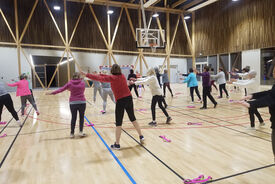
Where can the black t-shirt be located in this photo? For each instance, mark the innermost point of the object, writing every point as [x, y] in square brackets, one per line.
[132, 76]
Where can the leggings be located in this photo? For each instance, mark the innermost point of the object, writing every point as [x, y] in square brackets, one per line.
[192, 92]
[206, 93]
[24, 101]
[74, 108]
[222, 87]
[157, 99]
[167, 84]
[105, 93]
[273, 141]
[99, 89]
[6, 101]
[213, 84]
[125, 103]
[251, 112]
[135, 88]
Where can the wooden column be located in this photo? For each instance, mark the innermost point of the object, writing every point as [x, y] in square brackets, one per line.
[17, 36]
[193, 41]
[67, 42]
[168, 42]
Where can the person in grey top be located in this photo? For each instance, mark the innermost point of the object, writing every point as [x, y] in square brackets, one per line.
[97, 87]
[220, 77]
[166, 83]
[106, 90]
[5, 100]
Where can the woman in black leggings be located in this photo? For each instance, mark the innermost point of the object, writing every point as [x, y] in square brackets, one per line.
[5, 100]
[77, 101]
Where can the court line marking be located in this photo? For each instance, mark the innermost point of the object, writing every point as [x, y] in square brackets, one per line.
[241, 173]
[154, 156]
[217, 124]
[8, 123]
[225, 126]
[112, 153]
[4, 158]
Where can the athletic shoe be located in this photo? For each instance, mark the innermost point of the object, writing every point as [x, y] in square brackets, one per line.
[199, 101]
[142, 139]
[153, 123]
[72, 136]
[227, 96]
[191, 102]
[103, 112]
[37, 112]
[203, 108]
[250, 128]
[81, 134]
[115, 146]
[262, 124]
[19, 123]
[168, 120]
[215, 105]
[219, 97]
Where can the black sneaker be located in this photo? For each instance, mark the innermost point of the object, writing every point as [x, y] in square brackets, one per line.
[168, 120]
[115, 146]
[215, 105]
[203, 108]
[153, 123]
[142, 139]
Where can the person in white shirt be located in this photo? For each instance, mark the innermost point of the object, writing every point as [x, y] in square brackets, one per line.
[220, 77]
[250, 85]
[155, 89]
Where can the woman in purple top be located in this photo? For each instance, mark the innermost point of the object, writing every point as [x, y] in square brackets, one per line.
[77, 101]
[206, 88]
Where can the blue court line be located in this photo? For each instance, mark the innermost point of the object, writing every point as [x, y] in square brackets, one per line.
[112, 153]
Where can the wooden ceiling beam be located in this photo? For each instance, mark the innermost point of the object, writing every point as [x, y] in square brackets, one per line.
[177, 3]
[131, 6]
[191, 4]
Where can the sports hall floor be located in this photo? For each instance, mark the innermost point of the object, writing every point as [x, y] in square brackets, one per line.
[41, 152]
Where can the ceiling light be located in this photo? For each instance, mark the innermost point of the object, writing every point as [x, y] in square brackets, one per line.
[155, 15]
[187, 17]
[109, 12]
[235, 0]
[56, 8]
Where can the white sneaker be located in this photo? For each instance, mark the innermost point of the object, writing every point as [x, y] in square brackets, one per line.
[81, 134]
[262, 124]
[72, 136]
[19, 123]
[191, 102]
[250, 128]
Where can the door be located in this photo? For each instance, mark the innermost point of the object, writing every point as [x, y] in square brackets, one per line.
[50, 69]
[199, 68]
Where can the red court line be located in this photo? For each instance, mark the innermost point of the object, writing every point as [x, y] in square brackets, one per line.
[154, 128]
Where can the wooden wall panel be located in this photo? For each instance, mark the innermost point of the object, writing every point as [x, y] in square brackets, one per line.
[228, 26]
[41, 29]
[8, 9]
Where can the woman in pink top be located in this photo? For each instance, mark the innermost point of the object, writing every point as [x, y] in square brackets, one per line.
[77, 101]
[24, 92]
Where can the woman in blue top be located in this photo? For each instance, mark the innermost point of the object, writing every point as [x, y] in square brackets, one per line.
[192, 83]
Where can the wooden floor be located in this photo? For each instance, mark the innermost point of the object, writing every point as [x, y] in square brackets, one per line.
[42, 152]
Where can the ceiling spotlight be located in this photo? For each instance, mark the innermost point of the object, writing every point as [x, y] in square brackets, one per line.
[187, 17]
[155, 15]
[109, 12]
[56, 8]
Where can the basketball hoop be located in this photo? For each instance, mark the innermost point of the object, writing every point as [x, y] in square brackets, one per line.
[153, 46]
